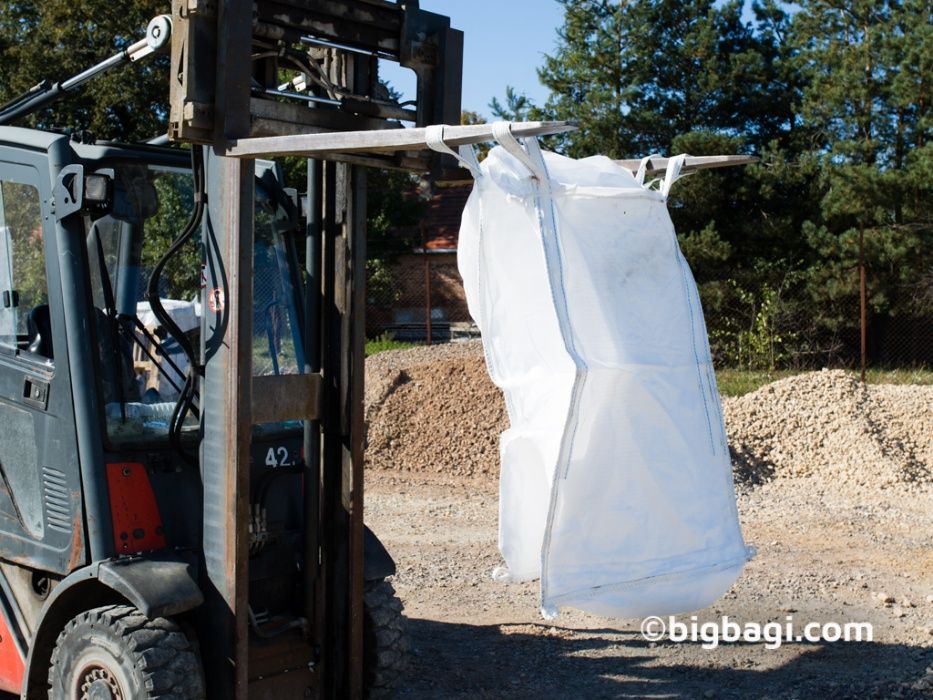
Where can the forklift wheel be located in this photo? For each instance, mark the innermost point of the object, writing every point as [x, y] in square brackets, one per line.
[117, 653]
[385, 646]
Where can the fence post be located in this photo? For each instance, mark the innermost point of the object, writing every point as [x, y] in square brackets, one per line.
[863, 301]
[427, 285]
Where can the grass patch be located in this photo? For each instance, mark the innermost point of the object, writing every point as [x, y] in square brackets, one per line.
[736, 382]
[385, 342]
[898, 376]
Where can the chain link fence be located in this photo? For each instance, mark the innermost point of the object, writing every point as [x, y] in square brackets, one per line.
[891, 342]
[418, 298]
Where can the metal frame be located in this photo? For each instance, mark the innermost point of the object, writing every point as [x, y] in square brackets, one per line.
[225, 447]
[220, 106]
[692, 164]
[339, 33]
[341, 145]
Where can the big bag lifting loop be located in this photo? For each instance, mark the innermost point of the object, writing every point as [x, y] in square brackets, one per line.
[434, 139]
[643, 168]
[674, 166]
[502, 131]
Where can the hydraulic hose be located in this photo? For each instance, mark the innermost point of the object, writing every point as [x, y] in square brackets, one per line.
[186, 396]
[152, 289]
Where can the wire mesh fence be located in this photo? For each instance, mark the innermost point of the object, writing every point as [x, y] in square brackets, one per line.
[418, 298]
[891, 342]
[277, 346]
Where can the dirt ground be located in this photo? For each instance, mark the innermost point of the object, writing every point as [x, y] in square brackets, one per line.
[847, 539]
[473, 637]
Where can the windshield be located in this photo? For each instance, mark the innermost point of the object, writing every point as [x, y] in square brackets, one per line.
[143, 368]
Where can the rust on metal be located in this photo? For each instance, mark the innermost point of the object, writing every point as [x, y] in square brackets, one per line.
[286, 397]
[76, 547]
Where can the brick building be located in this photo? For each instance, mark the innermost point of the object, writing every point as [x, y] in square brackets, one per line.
[424, 287]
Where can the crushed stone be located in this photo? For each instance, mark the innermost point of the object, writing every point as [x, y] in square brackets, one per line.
[434, 410]
[828, 426]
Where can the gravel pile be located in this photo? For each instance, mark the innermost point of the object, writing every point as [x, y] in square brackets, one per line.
[828, 426]
[434, 410]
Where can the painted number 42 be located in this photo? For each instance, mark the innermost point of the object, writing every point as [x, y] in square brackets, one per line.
[277, 457]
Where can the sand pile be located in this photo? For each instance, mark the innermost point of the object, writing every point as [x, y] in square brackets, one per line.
[434, 409]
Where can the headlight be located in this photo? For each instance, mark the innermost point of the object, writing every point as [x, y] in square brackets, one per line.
[97, 190]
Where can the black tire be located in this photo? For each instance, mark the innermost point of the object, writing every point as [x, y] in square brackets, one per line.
[385, 645]
[116, 652]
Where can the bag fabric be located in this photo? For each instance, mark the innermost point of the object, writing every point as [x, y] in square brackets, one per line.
[616, 487]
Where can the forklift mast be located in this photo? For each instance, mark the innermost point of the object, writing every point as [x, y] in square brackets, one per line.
[137, 531]
[271, 69]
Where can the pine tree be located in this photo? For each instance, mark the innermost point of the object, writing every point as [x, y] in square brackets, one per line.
[590, 77]
[637, 74]
[868, 103]
[517, 107]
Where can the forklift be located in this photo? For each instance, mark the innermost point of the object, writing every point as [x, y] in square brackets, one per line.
[181, 360]
[181, 367]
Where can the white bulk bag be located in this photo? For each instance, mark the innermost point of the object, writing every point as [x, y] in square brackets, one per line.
[616, 487]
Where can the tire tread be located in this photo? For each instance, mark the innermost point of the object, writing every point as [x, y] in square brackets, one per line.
[160, 652]
[388, 661]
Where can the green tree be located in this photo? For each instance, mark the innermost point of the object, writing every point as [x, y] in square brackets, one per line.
[654, 76]
[182, 276]
[590, 76]
[56, 39]
[394, 208]
[833, 95]
[635, 75]
[869, 105]
[517, 108]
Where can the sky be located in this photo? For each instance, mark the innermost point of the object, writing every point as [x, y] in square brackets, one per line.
[504, 41]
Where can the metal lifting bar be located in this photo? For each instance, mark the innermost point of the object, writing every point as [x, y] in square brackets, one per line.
[379, 141]
[692, 164]
[388, 141]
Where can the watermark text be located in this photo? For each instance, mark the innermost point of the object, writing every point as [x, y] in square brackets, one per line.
[773, 634]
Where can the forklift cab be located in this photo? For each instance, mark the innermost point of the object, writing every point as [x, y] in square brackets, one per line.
[102, 500]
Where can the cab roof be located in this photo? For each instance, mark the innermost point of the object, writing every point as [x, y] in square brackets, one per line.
[101, 152]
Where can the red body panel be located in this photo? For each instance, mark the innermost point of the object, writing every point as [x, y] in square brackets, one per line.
[137, 525]
[12, 665]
